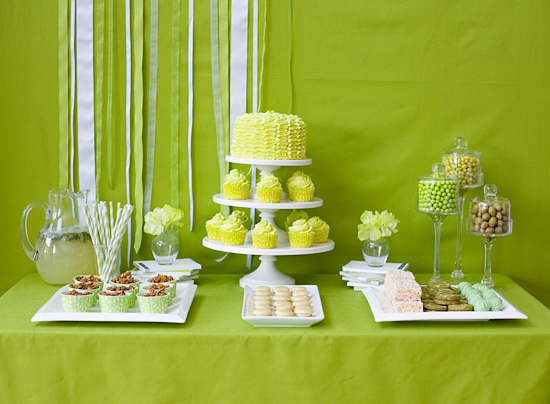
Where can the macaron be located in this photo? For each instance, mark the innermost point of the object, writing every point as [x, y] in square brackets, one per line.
[303, 311]
[262, 312]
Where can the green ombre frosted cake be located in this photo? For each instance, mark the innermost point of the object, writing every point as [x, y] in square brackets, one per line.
[269, 136]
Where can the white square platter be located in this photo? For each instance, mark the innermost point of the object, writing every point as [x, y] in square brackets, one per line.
[382, 310]
[274, 321]
[177, 312]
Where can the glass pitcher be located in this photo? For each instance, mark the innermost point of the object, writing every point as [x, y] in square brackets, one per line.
[63, 248]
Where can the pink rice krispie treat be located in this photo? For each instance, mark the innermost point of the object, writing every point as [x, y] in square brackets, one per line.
[407, 306]
[403, 289]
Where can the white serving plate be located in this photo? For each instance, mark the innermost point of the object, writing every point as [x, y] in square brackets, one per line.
[281, 249]
[177, 312]
[382, 310]
[274, 321]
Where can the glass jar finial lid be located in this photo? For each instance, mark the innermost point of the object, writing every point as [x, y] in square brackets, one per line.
[463, 163]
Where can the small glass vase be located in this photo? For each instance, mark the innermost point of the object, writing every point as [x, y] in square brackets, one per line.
[376, 252]
[166, 246]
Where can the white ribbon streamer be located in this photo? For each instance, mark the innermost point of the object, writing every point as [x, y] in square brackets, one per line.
[73, 79]
[85, 99]
[255, 14]
[152, 114]
[238, 61]
[190, 111]
[128, 120]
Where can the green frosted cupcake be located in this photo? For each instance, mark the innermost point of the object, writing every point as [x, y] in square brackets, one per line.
[236, 185]
[320, 228]
[114, 302]
[264, 235]
[300, 187]
[243, 218]
[77, 301]
[232, 232]
[300, 234]
[295, 215]
[213, 226]
[153, 302]
[269, 189]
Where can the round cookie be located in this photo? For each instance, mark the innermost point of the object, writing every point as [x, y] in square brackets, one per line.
[281, 289]
[282, 304]
[262, 289]
[262, 306]
[433, 306]
[297, 303]
[262, 312]
[303, 311]
[299, 298]
[438, 284]
[300, 293]
[284, 313]
[460, 307]
[262, 293]
[298, 289]
[447, 296]
[281, 297]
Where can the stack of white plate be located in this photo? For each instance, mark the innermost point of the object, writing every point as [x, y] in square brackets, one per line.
[359, 275]
[184, 270]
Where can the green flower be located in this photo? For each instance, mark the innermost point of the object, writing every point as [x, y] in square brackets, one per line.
[174, 216]
[153, 224]
[160, 219]
[388, 223]
[376, 225]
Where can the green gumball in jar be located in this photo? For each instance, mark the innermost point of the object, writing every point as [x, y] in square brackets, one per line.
[438, 192]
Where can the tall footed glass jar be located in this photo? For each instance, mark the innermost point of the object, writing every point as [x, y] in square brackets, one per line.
[490, 218]
[438, 198]
[464, 164]
[166, 246]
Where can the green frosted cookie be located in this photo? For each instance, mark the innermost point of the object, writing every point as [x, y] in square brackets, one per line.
[434, 306]
[460, 307]
[447, 296]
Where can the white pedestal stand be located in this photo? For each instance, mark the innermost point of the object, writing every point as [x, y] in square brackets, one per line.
[267, 272]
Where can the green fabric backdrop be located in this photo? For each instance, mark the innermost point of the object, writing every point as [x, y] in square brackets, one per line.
[384, 88]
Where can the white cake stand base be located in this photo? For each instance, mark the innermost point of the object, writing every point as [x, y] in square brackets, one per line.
[266, 274]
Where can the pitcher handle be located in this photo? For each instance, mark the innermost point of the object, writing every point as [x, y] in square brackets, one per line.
[30, 250]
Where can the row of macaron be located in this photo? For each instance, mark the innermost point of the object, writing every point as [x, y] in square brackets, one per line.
[283, 303]
[303, 232]
[269, 189]
[119, 294]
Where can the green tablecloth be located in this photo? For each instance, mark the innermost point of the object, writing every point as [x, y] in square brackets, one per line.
[216, 357]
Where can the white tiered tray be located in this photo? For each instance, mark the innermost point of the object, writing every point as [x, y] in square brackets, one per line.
[267, 273]
[282, 248]
[253, 203]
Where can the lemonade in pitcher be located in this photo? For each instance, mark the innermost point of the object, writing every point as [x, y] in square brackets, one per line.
[63, 248]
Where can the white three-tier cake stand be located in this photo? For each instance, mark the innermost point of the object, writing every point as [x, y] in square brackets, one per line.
[267, 272]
